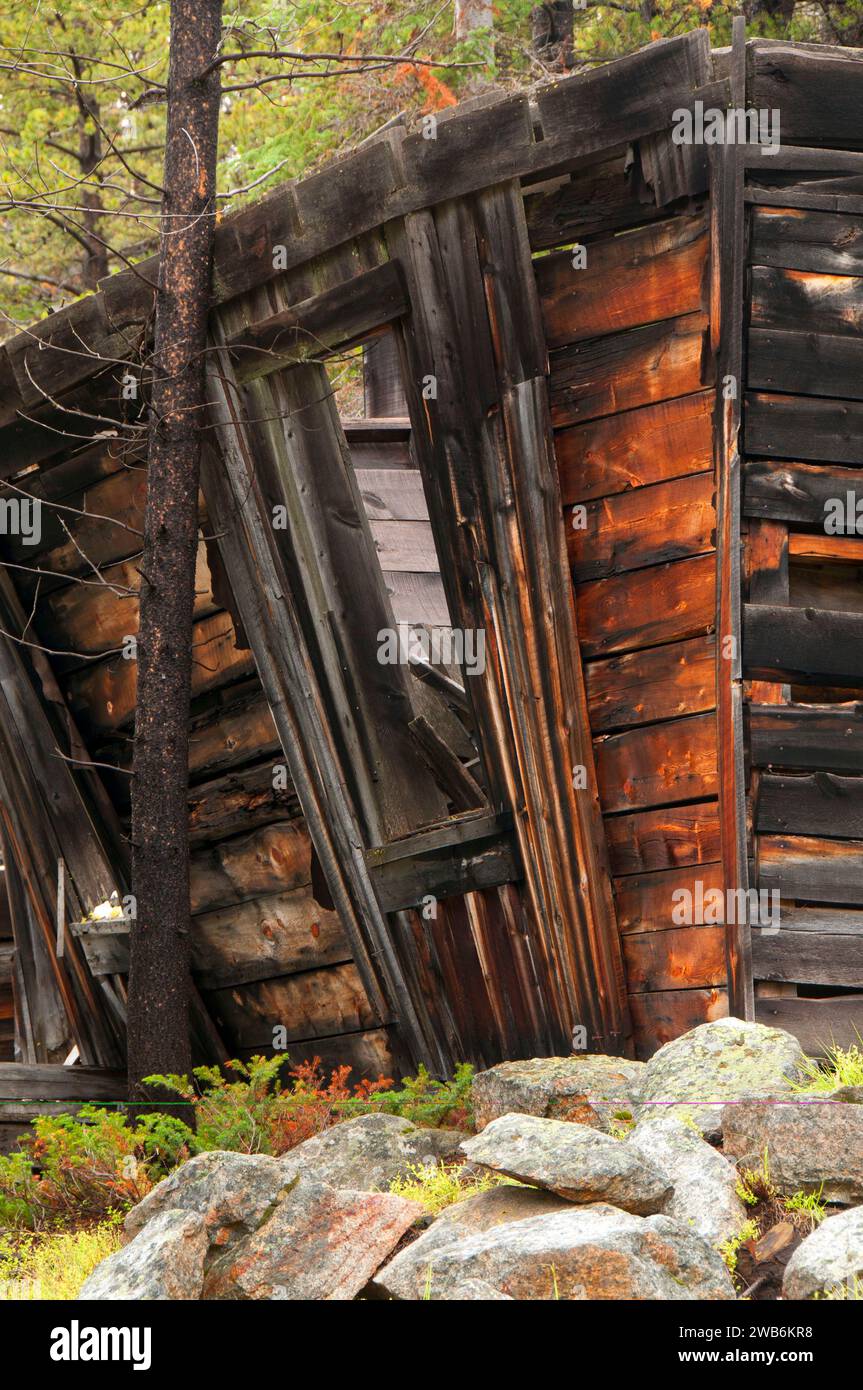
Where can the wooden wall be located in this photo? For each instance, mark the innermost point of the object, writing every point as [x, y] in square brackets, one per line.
[803, 440]
[632, 403]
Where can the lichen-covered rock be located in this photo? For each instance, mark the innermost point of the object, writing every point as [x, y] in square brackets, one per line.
[812, 1144]
[231, 1191]
[830, 1258]
[164, 1261]
[575, 1161]
[592, 1089]
[721, 1061]
[596, 1252]
[320, 1242]
[508, 1202]
[705, 1183]
[368, 1153]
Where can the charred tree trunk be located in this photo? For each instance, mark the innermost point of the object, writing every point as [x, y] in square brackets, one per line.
[551, 28]
[159, 982]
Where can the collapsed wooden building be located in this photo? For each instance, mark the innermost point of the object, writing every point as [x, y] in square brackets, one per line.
[624, 383]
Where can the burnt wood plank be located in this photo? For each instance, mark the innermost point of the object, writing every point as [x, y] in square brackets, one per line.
[798, 736]
[602, 376]
[820, 804]
[238, 802]
[326, 1001]
[793, 239]
[802, 301]
[818, 1024]
[658, 765]
[682, 958]
[655, 273]
[601, 198]
[797, 492]
[794, 79]
[668, 838]
[812, 868]
[635, 448]
[803, 428]
[807, 957]
[658, 683]
[808, 364]
[803, 646]
[644, 526]
[644, 609]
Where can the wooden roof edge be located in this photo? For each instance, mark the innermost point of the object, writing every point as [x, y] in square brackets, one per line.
[479, 143]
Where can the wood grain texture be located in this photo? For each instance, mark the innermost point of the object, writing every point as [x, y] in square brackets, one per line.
[658, 765]
[800, 427]
[820, 242]
[811, 868]
[664, 1014]
[646, 902]
[635, 447]
[820, 803]
[818, 1024]
[681, 959]
[647, 608]
[802, 737]
[645, 526]
[668, 838]
[658, 683]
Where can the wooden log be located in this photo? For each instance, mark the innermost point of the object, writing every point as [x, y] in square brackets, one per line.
[797, 492]
[818, 242]
[808, 957]
[658, 765]
[370, 1055]
[818, 1024]
[333, 319]
[811, 868]
[623, 370]
[636, 447]
[795, 78]
[112, 504]
[651, 274]
[668, 838]
[801, 427]
[659, 683]
[818, 804]
[646, 902]
[95, 618]
[104, 695]
[805, 363]
[664, 1014]
[645, 526]
[801, 737]
[315, 1003]
[802, 645]
[277, 935]
[682, 959]
[235, 731]
[648, 608]
[273, 859]
[238, 801]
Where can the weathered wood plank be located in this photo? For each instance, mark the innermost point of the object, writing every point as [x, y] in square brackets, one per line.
[658, 765]
[392, 495]
[796, 427]
[805, 363]
[333, 319]
[600, 198]
[804, 301]
[370, 1054]
[667, 838]
[602, 376]
[645, 526]
[653, 606]
[405, 547]
[798, 736]
[665, 1014]
[655, 273]
[635, 447]
[815, 869]
[797, 492]
[818, 1024]
[806, 957]
[239, 801]
[658, 683]
[803, 646]
[793, 239]
[237, 731]
[646, 902]
[274, 859]
[682, 958]
[819, 804]
[43, 1082]
[795, 78]
[280, 934]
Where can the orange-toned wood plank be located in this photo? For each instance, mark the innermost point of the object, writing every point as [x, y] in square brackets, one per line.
[683, 958]
[648, 607]
[658, 765]
[658, 1017]
[668, 838]
[646, 902]
[636, 447]
[658, 683]
[646, 526]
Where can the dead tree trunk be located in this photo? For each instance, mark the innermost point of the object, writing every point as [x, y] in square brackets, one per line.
[159, 982]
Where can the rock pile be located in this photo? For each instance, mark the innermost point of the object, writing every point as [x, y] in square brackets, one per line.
[610, 1189]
